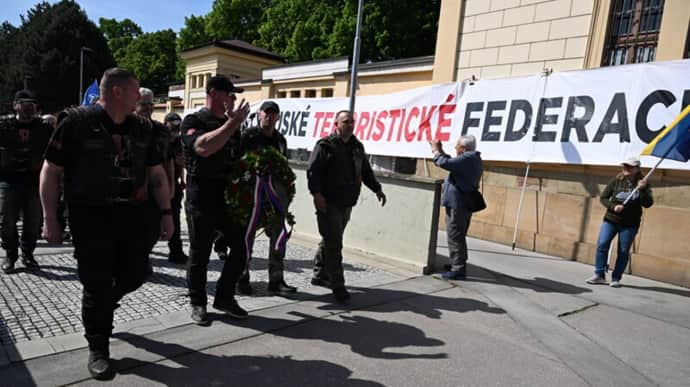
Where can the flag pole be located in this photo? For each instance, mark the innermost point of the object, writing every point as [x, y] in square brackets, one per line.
[545, 74]
[684, 113]
[519, 209]
[355, 58]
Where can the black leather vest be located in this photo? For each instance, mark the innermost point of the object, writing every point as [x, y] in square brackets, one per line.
[100, 174]
[22, 146]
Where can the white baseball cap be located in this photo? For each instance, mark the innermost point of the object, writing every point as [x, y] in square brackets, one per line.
[633, 161]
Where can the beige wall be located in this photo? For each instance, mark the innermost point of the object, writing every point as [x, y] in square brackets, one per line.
[401, 233]
[522, 37]
[674, 30]
[446, 52]
[384, 84]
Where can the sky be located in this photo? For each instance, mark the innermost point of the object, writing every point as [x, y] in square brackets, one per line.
[150, 15]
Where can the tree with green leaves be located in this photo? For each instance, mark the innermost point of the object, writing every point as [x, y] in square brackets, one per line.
[193, 33]
[44, 51]
[152, 58]
[310, 29]
[119, 33]
[236, 19]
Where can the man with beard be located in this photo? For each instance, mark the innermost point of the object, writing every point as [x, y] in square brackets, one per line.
[337, 168]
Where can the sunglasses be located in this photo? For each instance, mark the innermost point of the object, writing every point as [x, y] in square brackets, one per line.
[175, 122]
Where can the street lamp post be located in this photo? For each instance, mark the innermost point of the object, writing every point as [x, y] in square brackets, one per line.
[81, 72]
[355, 58]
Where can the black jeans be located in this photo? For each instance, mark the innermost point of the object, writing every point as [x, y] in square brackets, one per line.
[16, 199]
[175, 242]
[328, 260]
[112, 251]
[206, 215]
[457, 224]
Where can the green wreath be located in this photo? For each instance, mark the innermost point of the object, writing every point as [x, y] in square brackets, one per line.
[239, 193]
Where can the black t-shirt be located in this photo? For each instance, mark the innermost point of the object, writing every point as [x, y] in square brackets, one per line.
[254, 139]
[217, 165]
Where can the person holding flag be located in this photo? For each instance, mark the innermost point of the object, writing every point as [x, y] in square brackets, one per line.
[622, 219]
[624, 204]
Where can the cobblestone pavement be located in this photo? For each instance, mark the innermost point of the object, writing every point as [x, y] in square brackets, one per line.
[47, 302]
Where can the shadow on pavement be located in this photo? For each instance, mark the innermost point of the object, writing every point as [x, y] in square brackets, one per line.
[202, 369]
[538, 284]
[428, 305]
[48, 272]
[365, 336]
[678, 292]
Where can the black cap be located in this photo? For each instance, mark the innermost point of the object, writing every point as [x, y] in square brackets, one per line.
[221, 82]
[172, 117]
[24, 96]
[269, 106]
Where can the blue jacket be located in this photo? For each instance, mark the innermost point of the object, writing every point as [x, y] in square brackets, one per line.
[465, 172]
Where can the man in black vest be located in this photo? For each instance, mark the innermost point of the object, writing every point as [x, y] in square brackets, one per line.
[144, 109]
[211, 143]
[337, 168]
[23, 140]
[254, 139]
[110, 160]
[172, 121]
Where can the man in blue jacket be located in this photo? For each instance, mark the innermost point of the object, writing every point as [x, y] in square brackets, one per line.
[465, 172]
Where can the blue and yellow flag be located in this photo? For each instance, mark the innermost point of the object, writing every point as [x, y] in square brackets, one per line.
[674, 141]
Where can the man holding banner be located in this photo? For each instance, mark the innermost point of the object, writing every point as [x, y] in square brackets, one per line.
[337, 168]
[465, 171]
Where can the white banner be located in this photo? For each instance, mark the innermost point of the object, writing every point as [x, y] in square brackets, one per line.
[399, 124]
[599, 116]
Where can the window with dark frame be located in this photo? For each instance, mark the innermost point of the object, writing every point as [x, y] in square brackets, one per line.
[633, 32]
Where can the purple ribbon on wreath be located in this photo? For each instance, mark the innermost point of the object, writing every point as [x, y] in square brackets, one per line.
[264, 188]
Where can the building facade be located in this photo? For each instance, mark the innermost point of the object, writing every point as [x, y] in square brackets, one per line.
[561, 213]
[485, 39]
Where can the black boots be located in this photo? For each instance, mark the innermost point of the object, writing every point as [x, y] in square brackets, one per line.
[99, 365]
[99, 357]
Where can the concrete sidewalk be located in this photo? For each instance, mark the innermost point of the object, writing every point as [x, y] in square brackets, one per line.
[519, 319]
